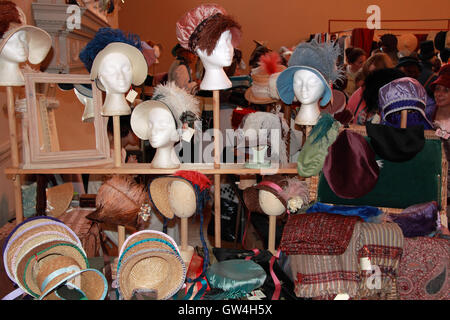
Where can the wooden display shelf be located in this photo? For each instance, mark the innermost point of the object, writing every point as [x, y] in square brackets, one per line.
[144, 168]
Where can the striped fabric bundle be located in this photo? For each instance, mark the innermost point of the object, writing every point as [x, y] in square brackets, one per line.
[328, 275]
[383, 245]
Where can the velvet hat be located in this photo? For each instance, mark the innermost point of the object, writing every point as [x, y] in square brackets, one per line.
[403, 94]
[202, 26]
[396, 144]
[14, 20]
[292, 192]
[350, 167]
[312, 155]
[320, 59]
[443, 78]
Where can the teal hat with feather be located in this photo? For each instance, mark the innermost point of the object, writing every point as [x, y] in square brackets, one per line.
[320, 59]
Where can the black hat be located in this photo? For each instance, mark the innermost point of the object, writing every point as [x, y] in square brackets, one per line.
[396, 144]
[426, 50]
[408, 60]
[439, 40]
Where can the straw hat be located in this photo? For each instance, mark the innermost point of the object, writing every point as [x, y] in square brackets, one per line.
[159, 190]
[39, 41]
[29, 228]
[58, 199]
[260, 90]
[150, 261]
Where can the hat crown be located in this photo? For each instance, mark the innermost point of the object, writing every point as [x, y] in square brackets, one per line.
[405, 88]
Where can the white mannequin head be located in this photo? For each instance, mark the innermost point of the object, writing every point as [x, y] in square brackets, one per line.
[115, 73]
[14, 52]
[222, 56]
[270, 204]
[162, 131]
[308, 89]
[182, 199]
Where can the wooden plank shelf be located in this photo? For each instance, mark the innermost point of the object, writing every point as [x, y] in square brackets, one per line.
[145, 168]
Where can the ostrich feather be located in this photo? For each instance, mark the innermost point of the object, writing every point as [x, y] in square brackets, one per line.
[197, 178]
[270, 62]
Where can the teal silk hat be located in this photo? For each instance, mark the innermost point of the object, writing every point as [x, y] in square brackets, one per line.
[320, 59]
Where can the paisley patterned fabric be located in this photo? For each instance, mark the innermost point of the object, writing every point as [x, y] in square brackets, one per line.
[424, 269]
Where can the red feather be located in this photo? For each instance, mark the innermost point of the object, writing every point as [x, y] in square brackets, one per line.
[195, 177]
[270, 62]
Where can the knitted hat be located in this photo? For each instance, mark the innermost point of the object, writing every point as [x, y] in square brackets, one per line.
[201, 28]
[13, 20]
[183, 106]
[403, 94]
[320, 59]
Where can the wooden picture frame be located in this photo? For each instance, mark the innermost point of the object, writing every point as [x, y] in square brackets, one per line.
[41, 144]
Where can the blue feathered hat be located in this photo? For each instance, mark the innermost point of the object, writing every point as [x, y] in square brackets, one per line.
[108, 40]
[319, 58]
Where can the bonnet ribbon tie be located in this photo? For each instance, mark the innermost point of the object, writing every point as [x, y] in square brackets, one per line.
[13, 294]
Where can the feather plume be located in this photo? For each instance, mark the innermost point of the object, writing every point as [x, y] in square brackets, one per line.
[270, 62]
[323, 125]
[119, 201]
[177, 99]
[196, 178]
[295, 188]
[102, 38]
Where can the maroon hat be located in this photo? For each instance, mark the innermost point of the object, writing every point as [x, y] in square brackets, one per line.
[350, 167]
[443, 79]
[202, 26]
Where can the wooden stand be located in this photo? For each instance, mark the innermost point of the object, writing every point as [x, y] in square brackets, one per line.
[14, 153]
[404, 118]
[118, 163]
[272, 229]
[216, 124]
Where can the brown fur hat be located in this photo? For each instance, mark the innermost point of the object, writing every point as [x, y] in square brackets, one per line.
[122, 201]
[8, 14]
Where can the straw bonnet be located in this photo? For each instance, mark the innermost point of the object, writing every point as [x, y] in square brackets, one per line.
[29, 228]
[407, 44]
[183, 106]
[159, 190]
[403, 94]
[201, 28]
[14, 20]
[122, 201]
[52, 271]
[291, 192]
[108, 40]
[150, 261]
[320, 59]
[58, 199]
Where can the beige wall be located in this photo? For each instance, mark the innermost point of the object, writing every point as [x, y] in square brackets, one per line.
[279, 22]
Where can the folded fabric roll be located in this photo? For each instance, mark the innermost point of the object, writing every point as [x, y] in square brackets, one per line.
[317, 234]
[367, 213]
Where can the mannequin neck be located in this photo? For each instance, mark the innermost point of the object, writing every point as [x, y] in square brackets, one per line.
[115, 105]
[10, 74]
[308, 114]
[215, 79]
[165, 157]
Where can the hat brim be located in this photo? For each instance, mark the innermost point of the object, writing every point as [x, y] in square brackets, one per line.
[137, 60]
[83, 88]
[39, 42]
[441, 80]
[250, 97]
[139, 117]
[286, 89]
[136, 272]
[59, 198]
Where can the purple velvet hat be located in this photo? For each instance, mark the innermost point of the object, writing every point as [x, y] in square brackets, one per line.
[403, 94]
